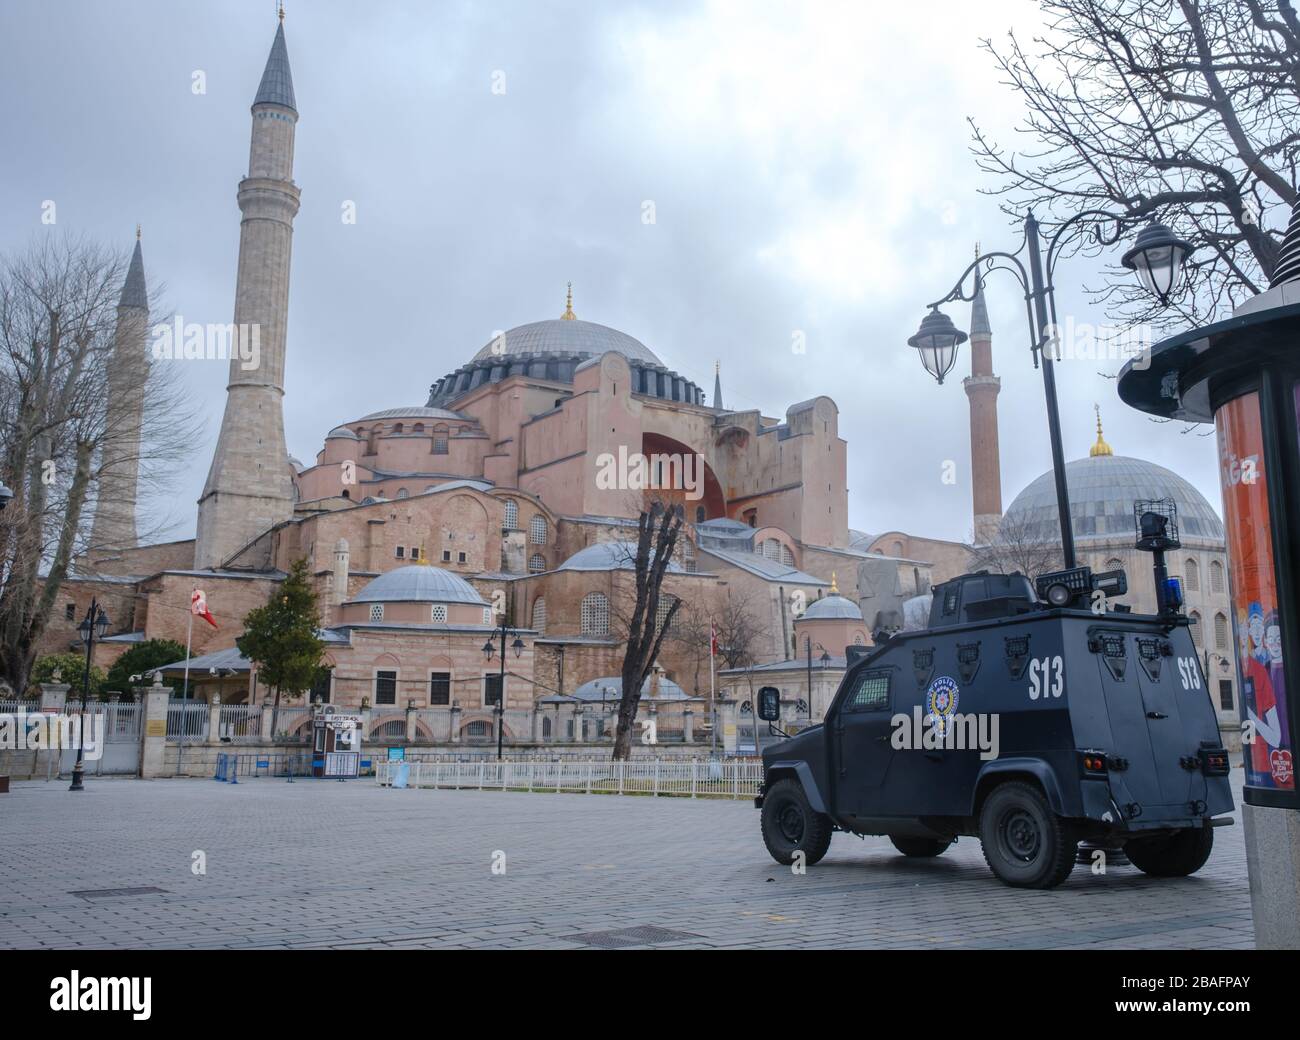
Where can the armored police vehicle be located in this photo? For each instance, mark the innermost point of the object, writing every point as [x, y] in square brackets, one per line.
[1034, 716]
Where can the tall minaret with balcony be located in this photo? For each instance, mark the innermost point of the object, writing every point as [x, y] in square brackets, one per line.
[982, 388]
[113, 529]
[249, 489]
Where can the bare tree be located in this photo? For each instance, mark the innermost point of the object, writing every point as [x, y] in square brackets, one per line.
[58, 317]
[740, 633]
[1182, 110]
[657, 531]
[1018, 547]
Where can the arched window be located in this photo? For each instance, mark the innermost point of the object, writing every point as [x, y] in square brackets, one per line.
[537, 530]
[536, 563]
[403, 493]
[1114, 564]
[858, 640]
[1192, 576]
[546, 728]
[1198, 636]
[418, 428]
[440, 440]
[771, 549]
[511, 520]
[399, 428]
[688, 555]
[595, 614]
[898, 548]
[1216, 576]
[1220, 632]
[699, 514]
[539, 614]
[787, 557]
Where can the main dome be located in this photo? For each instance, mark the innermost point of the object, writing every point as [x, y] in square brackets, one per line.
[565, 337]
[1103, 489]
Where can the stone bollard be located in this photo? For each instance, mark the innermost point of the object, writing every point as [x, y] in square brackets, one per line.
[267, 722]
[688, 726]
[455, 722]
[410, 724]
[214, 719]
[153, 727]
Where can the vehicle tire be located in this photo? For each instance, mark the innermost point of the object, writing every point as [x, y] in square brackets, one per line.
[1175, 855]
[1026, 845]
[791, 825]
[920, 848]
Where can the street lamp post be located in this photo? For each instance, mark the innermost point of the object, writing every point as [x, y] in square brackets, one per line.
[95, 623]
[1157, 258]
[488, 650]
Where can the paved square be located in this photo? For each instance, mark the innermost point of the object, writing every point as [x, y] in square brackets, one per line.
[325, 864]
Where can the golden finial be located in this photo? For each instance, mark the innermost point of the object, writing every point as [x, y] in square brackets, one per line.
[137, 232]
[568, 314]
[835, 589]
[717, 368]
[282, 13]
[424, 556]
[1101, 447]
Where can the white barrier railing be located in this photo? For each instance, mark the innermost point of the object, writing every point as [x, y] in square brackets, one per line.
[690, 778]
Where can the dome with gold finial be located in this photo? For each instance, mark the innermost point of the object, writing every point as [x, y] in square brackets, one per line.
[1103, 488]
[832, 606]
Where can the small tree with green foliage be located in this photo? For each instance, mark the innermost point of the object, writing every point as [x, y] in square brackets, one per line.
[142, 659]
[71, 668]
[280, 637]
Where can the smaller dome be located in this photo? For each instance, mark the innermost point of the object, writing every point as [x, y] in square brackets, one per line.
[610, 690]
[343, 433]
[832, 607]
[608, 556]
[419, 583]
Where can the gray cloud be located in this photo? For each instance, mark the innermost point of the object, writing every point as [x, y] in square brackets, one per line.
[807, 164]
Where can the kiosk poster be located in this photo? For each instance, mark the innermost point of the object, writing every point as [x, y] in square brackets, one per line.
[1268, 754]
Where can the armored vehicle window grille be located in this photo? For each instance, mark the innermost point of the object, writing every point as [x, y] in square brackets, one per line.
[968, 653]
[1112, 644]
[923, 658]
[950, 600]
[1148, 649]
[871, 693]
[1017, 646]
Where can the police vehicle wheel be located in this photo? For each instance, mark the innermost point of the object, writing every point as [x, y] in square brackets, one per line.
[791, 825]
[1175, 855]
[1025, 844]
[920, 847]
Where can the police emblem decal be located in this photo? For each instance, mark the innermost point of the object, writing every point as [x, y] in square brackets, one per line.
[941, 703]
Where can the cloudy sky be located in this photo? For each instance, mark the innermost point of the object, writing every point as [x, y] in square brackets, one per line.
[807, 163]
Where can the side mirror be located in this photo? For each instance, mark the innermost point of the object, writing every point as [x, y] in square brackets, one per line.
[769, 704]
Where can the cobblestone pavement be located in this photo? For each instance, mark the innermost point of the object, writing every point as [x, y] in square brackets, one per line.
[317, 864]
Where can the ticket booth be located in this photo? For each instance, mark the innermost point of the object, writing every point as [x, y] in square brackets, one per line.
[336, 744]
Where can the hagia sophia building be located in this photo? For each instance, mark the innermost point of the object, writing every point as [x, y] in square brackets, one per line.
[422, 523]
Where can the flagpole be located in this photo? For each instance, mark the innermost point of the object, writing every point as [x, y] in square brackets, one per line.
[713, 701]
[189, 639]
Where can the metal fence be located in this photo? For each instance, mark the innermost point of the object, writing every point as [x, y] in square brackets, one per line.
[240, 723]
[689, 778]
[231, 768]
[187, 721]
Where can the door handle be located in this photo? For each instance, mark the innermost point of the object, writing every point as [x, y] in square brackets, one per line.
[885, 737]
[1156, 715]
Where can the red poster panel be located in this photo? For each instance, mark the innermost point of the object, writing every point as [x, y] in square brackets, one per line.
[1260, 670]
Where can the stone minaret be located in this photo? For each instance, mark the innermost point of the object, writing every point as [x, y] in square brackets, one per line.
[982, 387]
[249, 488]
[717, 385]
[114, 525]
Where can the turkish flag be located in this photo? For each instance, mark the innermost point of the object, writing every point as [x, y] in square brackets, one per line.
[199, 607]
